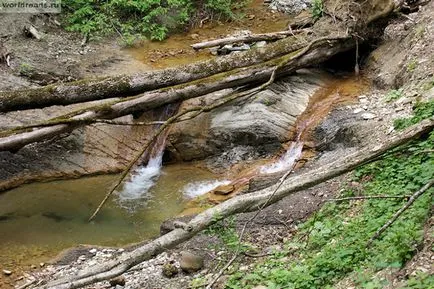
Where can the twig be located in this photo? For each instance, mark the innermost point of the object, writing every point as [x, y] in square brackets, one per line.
[413, 198]
[257, 255]
[367, 197]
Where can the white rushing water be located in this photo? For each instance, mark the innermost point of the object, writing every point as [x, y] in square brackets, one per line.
[286, 161]
[142, 180]
[200, 188]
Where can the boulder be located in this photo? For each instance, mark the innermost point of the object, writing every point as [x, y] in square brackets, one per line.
[224, 189]
[120, 280]
[191, 262]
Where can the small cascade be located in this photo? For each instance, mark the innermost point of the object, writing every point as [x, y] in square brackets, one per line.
[142, 181]
[286, 161]
[292, 155]
[144, 177]
[202, 187]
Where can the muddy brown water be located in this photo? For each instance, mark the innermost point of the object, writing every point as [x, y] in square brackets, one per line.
[176, 49]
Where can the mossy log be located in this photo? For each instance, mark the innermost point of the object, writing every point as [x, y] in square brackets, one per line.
[127, 85]
[178, 84]
[353, 18]
[323, 49]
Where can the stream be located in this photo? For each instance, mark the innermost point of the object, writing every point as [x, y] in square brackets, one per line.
[39, 220]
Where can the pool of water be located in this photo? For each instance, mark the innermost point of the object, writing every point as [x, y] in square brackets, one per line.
[39, 220]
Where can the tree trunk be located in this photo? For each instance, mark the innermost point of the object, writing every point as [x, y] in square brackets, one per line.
[108, 87]
[240, 204]
[247, 39]
[323, 49]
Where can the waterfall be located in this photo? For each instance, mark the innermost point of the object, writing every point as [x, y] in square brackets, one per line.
[286, 161]
[143, 178]
[200, 188]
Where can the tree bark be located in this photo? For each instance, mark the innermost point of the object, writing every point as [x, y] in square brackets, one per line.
[118, 86]
[247, 39]
[240, 204]
[322, 49]
[354, 18]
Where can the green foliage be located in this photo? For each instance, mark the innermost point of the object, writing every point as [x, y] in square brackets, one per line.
[394, 94]
[420, 281]
[411, 66]
[26, 69]
[422, 110]
[317, 9]
[339, 232]
[225, 230]
[133, 18]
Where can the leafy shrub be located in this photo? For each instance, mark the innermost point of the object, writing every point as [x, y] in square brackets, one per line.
[134, 18]
[317, 9]
[394, 94]
[339, 232]
[422, 110]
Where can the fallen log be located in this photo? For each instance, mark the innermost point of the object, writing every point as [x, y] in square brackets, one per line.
[248, 38]
[354, 18]
[319, 50]
[240, 204]
[124, 85]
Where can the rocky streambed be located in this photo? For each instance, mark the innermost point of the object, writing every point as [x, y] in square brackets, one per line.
[216, 143]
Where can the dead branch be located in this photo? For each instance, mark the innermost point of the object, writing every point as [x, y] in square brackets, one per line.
[272, 36]
[392, 220]
[238, 204]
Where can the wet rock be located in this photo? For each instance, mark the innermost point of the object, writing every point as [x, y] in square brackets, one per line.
[262, 123]
[368, 115]
[224, 189]
[191, 262]
[169, 270]
[118, 281]
[290, 6]
[339, 130]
